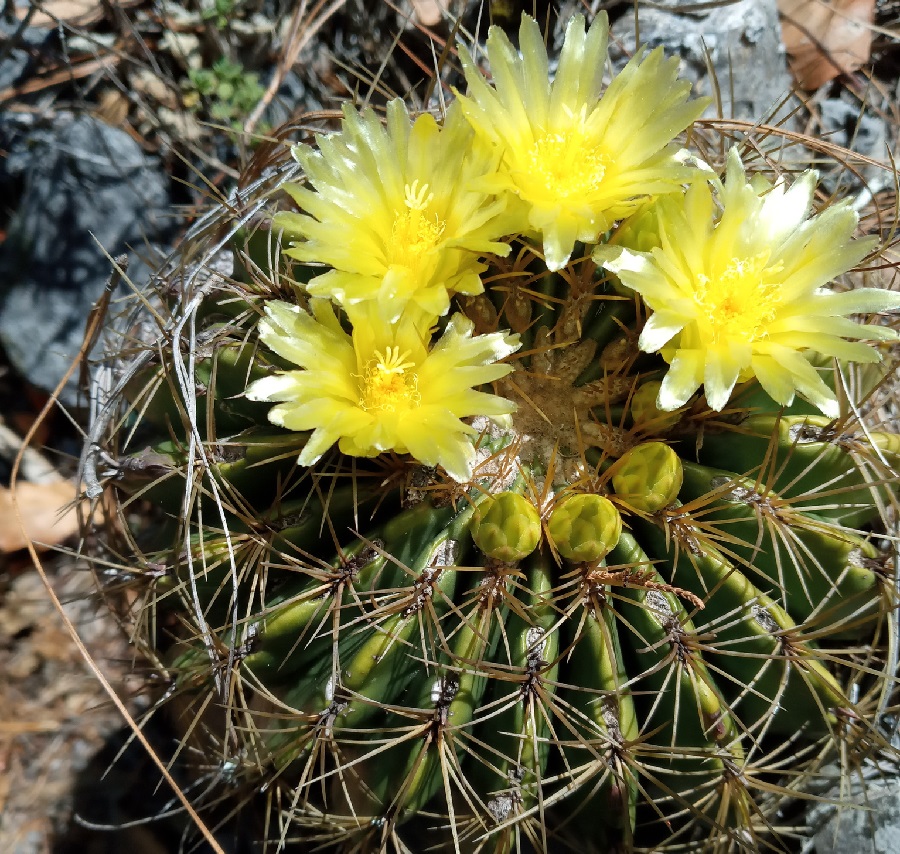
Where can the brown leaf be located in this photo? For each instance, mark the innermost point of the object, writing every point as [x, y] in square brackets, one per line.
[76, 13]
[429, 12]
[48, 513]
[112, 107]
[825, 38]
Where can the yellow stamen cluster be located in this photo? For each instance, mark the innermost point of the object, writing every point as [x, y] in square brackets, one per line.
[739, 303]
[414, 233]
[566, 164]
[389, 383]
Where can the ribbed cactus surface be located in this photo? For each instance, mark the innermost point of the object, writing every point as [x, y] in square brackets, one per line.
[449, 551]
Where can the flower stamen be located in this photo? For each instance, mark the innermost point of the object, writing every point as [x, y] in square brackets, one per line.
[741, 302]
[414, 234]
[415, 196]
[389, 383]
[566, 165]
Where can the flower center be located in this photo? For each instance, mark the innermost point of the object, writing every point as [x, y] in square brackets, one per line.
[566, 165]
[738, 304]
[389, 383]
[414, 233]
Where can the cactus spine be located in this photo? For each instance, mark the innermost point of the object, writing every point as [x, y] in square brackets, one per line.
[593, 620]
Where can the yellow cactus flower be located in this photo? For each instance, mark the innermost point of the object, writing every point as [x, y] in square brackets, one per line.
[396, 211]
[736, 291]
[382, 388]
[575, 158]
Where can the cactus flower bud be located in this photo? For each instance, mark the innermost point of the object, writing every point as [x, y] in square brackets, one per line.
[645, 412]
[648, 477]
[585, 527]
[507, 527]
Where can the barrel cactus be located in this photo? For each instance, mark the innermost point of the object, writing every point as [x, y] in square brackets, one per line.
[511, 475]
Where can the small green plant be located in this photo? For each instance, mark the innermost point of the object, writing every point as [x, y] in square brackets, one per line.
[226, 92]
[511, 489]
[219, 11]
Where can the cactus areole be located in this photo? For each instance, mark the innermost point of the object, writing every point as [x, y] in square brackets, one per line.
[508, 491]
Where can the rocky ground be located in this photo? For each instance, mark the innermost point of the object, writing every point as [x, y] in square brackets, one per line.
[120, 121]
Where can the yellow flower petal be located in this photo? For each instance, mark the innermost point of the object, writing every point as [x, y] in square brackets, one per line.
[397, 211]
[739, 293]
[384, 387]
[577, 159]
[683, 378]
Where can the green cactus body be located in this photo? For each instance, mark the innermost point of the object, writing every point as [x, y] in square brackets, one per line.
[808, 560]
[501, 603]
[402, 664]
[834, 472]
[762, 658]
[512, 771]
[606, 720]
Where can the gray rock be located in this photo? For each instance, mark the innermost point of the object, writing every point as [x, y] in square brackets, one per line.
[855, 128]
[842, 120]
[742, 40]
[870, 826]
[16, 41]
[291, 99]
[85, 185]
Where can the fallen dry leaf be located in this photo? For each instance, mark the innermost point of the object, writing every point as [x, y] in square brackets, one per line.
[76, 13]
[430, 12]
[112, 107]
[825, 38]
[48, 513]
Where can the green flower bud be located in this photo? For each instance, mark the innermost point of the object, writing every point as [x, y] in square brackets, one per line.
[645, 411]
[649, 477]
[507, 527]
[585, 527]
